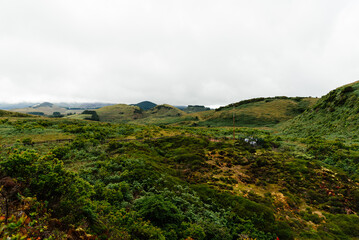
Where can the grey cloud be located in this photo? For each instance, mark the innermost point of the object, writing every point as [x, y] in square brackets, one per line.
[177, 52]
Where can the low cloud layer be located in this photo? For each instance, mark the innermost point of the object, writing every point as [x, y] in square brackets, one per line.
[177, 52]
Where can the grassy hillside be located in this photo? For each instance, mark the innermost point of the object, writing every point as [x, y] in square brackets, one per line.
[134, 114]
[334, 115]
[119, 181]
[256, 112]
[4, 113]
[164, 110]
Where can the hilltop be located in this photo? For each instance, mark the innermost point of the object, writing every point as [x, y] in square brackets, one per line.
[195, 108]
[334, 115]
[145, 105]
[134, 114]
[255, 112]
[164, 110]
[119, 113]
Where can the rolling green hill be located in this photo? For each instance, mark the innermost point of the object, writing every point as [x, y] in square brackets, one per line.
[164, 110]
[134, 114]
[256, 112]
[335, 114]
[119, 113]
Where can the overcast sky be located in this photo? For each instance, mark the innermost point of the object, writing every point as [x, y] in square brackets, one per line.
[177, 52]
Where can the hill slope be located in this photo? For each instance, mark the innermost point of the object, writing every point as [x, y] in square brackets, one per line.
[334, 115]
[45, 108]
[134, 114]
[4, 113]
[256, 112]
[164, 110]
[119, 113]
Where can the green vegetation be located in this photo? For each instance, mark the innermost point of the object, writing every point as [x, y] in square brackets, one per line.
[258, 112]
[119, 113]
[65, 178]
[334, 115]
[12, 114]
[122, 113]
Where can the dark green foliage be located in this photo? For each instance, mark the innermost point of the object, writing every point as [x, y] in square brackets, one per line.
[194, 183]
[284, 231]
[37, 113]
[334, 115]
[57, 114]
[342, 226]
[195, 108]
[159, 211]
[46, 178]
[27, 141]
[94, 116]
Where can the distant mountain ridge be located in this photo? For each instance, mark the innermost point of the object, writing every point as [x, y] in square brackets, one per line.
[84, 105]
[42, 109]
[51, 109]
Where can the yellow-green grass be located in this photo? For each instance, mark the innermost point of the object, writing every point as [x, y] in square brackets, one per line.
[79, 116]
[164, 110]
[46, 110]
[119, 113]
[133, 114]
[4, 113]
[334, 115]
[45, 135]
[265, 113]
[261, 113]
